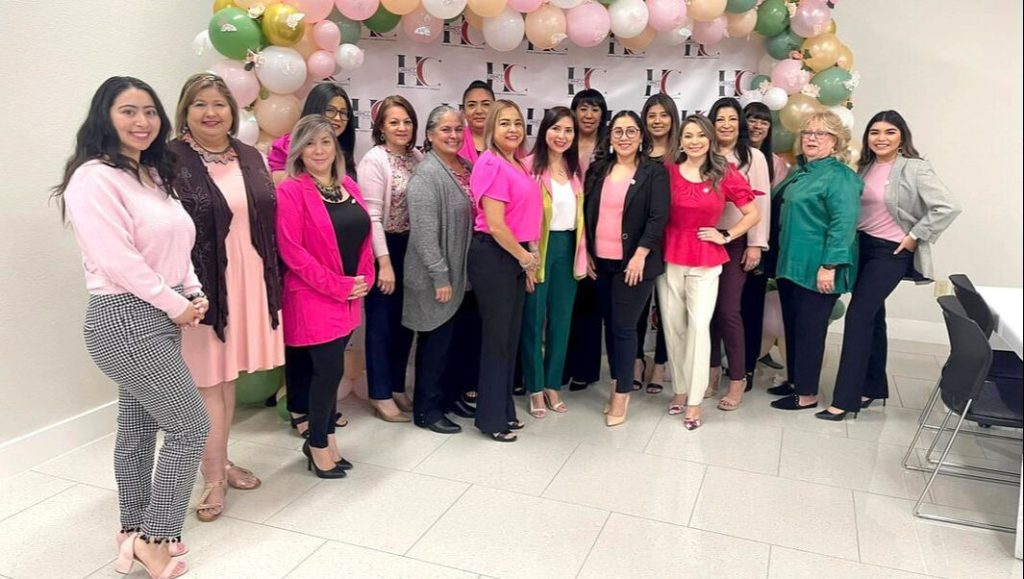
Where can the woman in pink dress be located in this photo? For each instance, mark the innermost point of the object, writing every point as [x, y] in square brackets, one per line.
[225, 187]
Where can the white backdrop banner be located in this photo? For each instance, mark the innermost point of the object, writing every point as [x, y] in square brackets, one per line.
[432, 74]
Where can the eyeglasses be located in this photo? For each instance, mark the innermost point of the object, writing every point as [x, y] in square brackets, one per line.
[333, 113]
[628, 132]
[817, 135]
[760, 123]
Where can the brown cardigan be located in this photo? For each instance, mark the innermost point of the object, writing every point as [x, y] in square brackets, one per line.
[209, 210]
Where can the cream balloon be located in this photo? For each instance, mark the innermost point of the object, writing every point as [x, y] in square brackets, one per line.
[775, 98]
[400, 7]
[444, 9]
[545, 27]
[504, 32]
[487, 8]
[629, 17]
[705, 10]
[349, 56]
[277, 113]
[742, 24]
[282, 70]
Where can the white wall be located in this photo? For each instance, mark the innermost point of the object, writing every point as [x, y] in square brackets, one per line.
[953, 69]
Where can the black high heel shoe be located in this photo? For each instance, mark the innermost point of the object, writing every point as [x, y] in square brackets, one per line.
[336, 472]
[826, 415]
[870, 401]
[750, 382]
[784, 389]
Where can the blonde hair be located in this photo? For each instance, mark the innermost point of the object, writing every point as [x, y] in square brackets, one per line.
[497, 107]
[193, 86]
[308, 128]
[832, 125]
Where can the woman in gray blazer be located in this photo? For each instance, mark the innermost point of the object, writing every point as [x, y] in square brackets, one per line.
[441, 218]
[904, 209]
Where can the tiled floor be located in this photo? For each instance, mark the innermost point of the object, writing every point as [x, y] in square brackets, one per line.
[754, 493]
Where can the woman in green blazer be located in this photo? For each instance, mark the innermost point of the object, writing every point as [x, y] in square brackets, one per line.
[817, 251]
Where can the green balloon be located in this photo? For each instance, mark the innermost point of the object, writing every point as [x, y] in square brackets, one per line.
[234, 34]
[606, 2]
[382, 20]
[737, 6]
[780, 45]
[282, 409]
[782, 140]
[772, 18]
[757, 80]
[254, 388]
[351, 30]
[831, 82]
[838, 311]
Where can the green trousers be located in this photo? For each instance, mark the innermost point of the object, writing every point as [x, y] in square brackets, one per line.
[547, 316]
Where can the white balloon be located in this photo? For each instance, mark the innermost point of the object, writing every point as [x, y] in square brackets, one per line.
[248, 128]
[676, 36]
[629, 17]
[845, 115]
[201, 43]
[775, 98]
[349, 56]
[766, 64]
[566, 4]
[504, 32]
[281, 70]
[444, 9]
[750, 96]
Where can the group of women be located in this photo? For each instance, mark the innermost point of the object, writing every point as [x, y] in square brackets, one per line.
[495, 260]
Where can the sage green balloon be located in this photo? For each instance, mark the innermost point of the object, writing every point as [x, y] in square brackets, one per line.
[282, 409]
[234, 34]
[254, 388]
[382, 20]
[607, 2]
[351, 30]
[772, 18]
[755, 83]
[782, 140]
[780, 45]
[831, 84]
[737, 6]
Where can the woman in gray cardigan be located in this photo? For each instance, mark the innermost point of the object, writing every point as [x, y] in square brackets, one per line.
[441, 218]
[904, 209]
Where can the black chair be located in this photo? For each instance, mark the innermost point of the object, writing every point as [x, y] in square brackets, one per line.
[1005, 364]
[968, 393]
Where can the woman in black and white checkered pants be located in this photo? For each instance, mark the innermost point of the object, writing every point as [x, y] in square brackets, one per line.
[136, 241]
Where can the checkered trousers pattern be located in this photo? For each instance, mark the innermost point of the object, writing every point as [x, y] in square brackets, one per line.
[139, 348]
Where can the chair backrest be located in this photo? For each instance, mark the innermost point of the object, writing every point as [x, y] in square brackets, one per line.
[970, 356]
[973, 303]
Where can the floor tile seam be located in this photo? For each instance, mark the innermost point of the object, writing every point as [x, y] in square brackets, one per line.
[430, 454]
[304, 559]
[560, 469]
[696, 498]
[707, 464]
[434, 523]
[295, 497]
[44, 499]
[593, 544]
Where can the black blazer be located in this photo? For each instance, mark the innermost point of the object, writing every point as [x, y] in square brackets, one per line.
[643, 217]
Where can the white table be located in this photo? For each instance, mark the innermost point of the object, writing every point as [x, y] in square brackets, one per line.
[1007, 305]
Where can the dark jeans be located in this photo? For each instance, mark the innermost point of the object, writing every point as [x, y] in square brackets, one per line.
[805, 315]
[431, 392]
[727, 323]
[463, 369]
[752, 310]
[583, 358]
[387, 341]
[621, 306]
[317, 371]
[500, 286]
[865, 345]
[660, 351]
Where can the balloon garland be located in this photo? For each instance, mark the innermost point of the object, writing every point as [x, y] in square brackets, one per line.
[276, 50]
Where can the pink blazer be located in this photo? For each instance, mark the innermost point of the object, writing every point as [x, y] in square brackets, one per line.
[314, 301]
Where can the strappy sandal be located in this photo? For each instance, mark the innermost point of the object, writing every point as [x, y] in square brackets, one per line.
[176, 548]
[516, 425]
[209, 512]
[469, 396]
[560, 408]
[676, 408]
[505, 436]
[240, 478]
[638, 384]
[296, 421]
[537, 411]
[126, 559]
[654, 388]
[728, 404]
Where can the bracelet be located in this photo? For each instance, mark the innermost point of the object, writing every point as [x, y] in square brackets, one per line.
[191, 297]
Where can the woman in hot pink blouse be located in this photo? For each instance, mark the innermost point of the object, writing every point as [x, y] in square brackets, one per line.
[503, 261]
[702, 181]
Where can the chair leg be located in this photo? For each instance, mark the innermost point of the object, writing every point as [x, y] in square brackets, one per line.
[922, 423]
[923, 418]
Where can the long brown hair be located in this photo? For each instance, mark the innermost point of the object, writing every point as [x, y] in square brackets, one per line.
[715, 165]
[907, 148]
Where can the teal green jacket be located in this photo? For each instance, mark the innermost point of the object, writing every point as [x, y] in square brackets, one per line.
[818, 222]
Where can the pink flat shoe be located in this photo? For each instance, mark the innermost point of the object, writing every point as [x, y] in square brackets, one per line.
[126, 559]
[691, 423]
[176, 549]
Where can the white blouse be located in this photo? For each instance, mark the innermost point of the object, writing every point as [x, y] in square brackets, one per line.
[563, 206]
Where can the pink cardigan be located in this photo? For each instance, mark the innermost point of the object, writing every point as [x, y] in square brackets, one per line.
[314, 302]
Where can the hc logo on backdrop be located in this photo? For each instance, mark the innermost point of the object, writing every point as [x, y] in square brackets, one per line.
[362, 117]
[412, 72]
[499, 76]
[581, 77]
[459, 33]
[730, 82]
[658, 82]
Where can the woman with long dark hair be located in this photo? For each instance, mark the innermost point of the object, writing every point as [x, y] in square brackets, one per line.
[903, 210]
[625, 210]
[555, 164]
[476, 103]
[330, 100]
[136, 242]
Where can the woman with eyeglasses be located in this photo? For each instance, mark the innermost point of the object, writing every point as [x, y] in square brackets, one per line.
[904, 209]
[820, 206]
[329, 100]
[625, 210]
[384, 174]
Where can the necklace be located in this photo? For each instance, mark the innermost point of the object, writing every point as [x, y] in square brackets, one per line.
[208, 156]
[331, 193]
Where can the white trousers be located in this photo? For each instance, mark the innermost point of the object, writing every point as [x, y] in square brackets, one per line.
[686, 296]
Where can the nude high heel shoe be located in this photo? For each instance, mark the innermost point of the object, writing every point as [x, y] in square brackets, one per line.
[611, 420]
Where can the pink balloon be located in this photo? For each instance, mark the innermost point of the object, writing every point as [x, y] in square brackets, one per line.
[243, 84]
[357, 9]
[811, 18]
[421, 27]
[524, 6]
[665, 15]
[790, 76]
[711, 32]
[277, 113]
[587, 24]
[315, 10]
[326, 35]
[320, 64]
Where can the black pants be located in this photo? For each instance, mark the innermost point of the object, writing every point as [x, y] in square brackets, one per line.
[865, 345]
[621, 306]
[432, 354]
[387, 341]
[805, 315]
[752, 310]
[463, 368]
[660, 351]
[500, 286]
[317, 370]
[583, 358]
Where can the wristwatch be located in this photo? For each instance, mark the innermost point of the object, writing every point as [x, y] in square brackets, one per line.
[828, 266]
[725, 234]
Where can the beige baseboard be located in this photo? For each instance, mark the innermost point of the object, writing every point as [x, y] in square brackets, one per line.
[36, 447]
